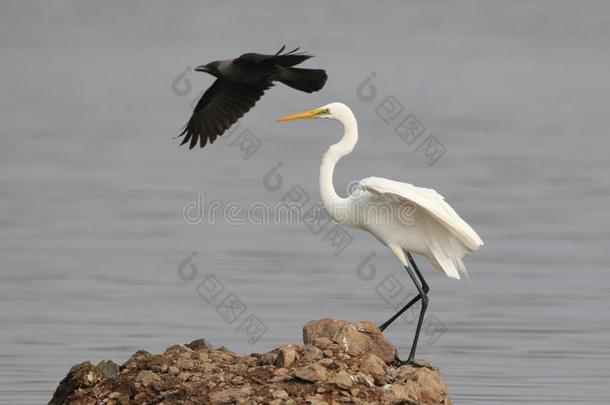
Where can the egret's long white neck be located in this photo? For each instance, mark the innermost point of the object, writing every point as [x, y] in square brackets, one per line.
[332, 201]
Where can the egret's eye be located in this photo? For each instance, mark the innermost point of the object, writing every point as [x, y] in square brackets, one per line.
[324, 111]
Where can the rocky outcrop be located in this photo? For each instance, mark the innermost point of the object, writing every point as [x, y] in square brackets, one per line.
[340, 362]
[354, 339]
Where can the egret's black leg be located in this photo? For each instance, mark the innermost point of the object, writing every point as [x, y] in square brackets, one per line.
[421, 278]
[402, 310]
[422, 312]
[423, 296]
[413, 301]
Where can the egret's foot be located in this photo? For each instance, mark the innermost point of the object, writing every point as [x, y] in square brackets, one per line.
[412, 362]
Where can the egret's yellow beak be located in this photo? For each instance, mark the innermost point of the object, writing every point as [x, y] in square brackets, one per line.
[307, 115]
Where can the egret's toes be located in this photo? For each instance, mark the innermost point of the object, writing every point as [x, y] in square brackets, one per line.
[412, 362]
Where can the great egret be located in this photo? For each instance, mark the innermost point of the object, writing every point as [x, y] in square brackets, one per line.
[240, 83]
[405, 218]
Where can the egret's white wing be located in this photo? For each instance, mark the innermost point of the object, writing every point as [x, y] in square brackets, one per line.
[429, 200]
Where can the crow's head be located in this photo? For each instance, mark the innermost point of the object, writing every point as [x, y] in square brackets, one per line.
[211, 68]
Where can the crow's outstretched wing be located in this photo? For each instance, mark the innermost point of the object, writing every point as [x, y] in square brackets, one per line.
[219, 108]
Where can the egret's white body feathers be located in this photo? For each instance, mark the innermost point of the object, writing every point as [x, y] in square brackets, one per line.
[432, 229]
[402, 216]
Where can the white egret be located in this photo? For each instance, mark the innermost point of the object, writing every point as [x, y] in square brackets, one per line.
[405, 218]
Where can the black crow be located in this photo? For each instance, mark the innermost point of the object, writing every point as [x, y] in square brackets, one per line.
[240, 83]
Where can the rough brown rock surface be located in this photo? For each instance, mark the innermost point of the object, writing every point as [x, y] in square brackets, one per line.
[340, 363]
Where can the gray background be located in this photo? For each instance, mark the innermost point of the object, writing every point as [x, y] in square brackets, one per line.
[93, 186]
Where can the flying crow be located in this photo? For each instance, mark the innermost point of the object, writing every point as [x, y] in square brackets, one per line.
[239, 84]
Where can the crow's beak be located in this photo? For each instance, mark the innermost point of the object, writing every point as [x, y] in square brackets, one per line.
[203, 68]
[302, 116]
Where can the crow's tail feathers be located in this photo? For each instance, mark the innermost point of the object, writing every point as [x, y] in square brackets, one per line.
[291, 58]
[307, 80]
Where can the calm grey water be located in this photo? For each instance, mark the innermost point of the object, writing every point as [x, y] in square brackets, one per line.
[93, 186]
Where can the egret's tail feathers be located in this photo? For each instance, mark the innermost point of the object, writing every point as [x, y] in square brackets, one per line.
[445, 261]
[448, 254]
[307, 80]
[462, 270]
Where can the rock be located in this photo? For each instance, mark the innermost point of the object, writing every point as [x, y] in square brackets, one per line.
[372, 365]
[310, 354]
[200, 344]
[268, 358]
[321, 342]
[429, 384]
[282, 378]
[400, 393]
[108, 368]
[114, 395]
[279, 394]
[247, 362]
[230, 396]
[137, 358]
[365, 380]
[81, 375]
[328, 363]
[147, 377]
[281, 371]
[340, 363]
[379, 346]
[342, 379]
[186, 364]
[142, 397]
[235, 380]
[354, 339]
[316, 400]
[287, 356]
[176, 349]
[326, 328]
[311, 373]
[226, 350]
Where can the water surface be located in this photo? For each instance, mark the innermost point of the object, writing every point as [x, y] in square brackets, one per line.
[93, 186]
